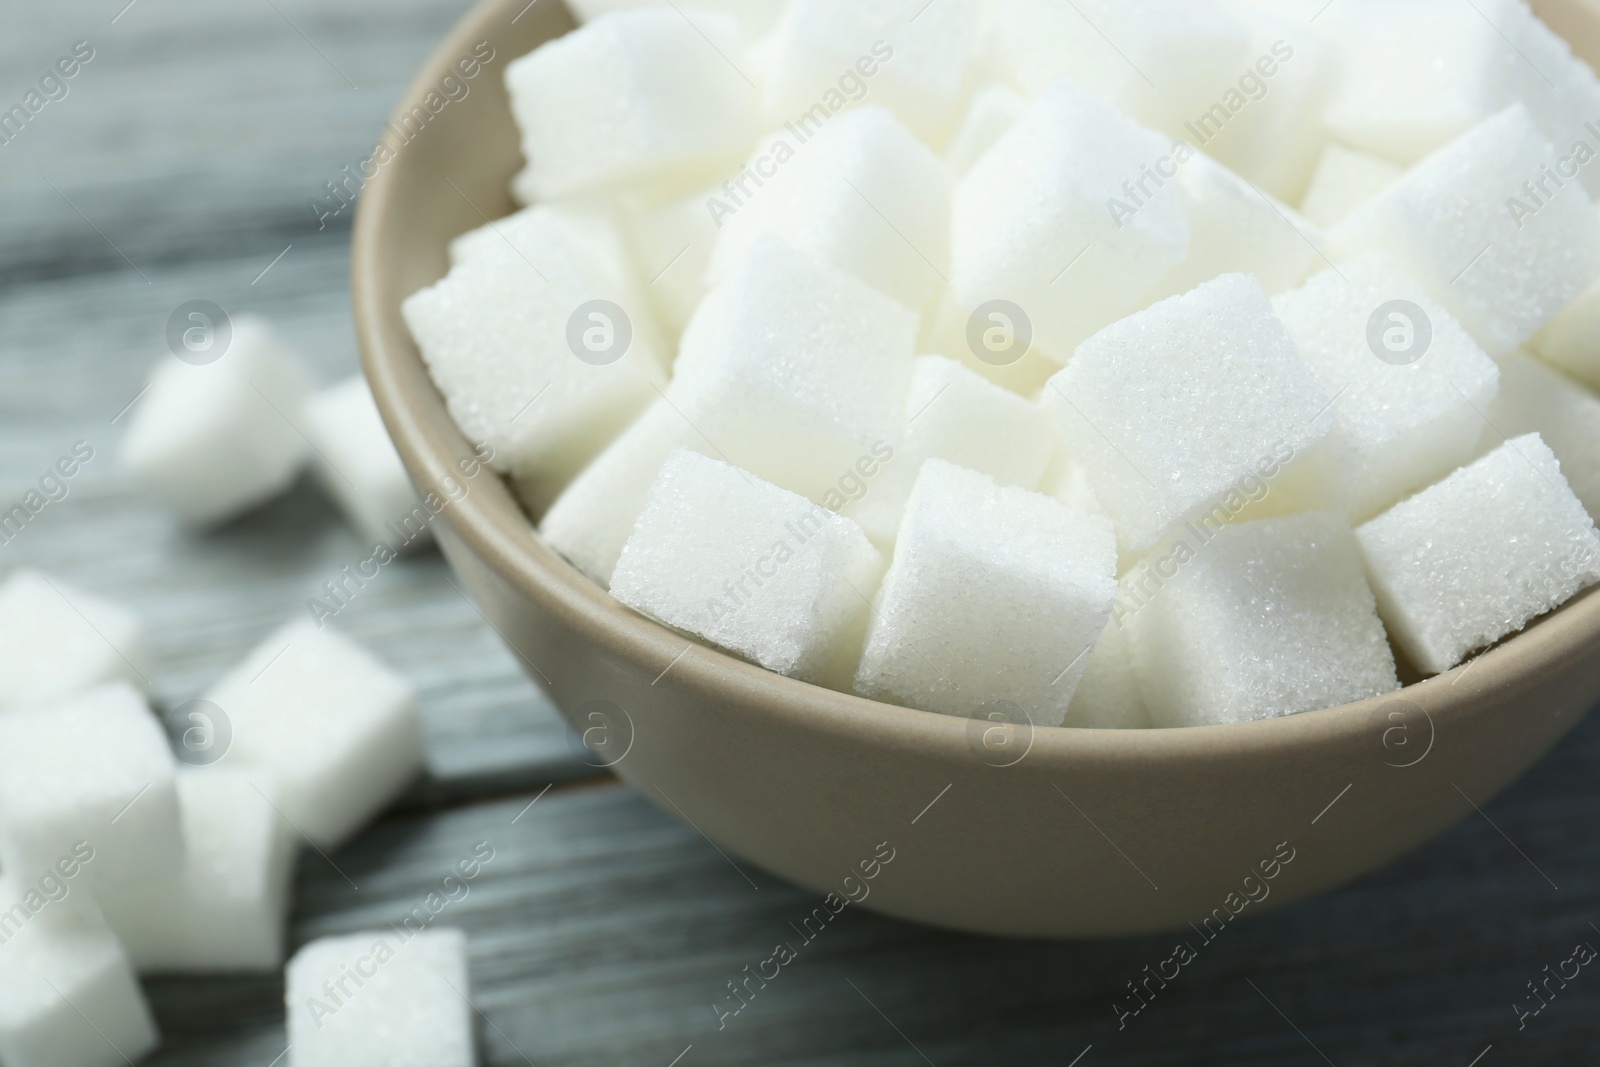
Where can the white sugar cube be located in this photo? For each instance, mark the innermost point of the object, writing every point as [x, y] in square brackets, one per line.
[591, 521]
[1535, 399]
[671, 243]
[1420, 72]
[1572, 341]
[828, 55]
[320, 717]
[633, 97]
[755, 17]
[95, 772]
[225, 909]
[68, 996]
[756, 569]
[1198, 404]
[990, 113]
[1480, 555]
[862, 193]
[995, 594]
[215, 435]
[1235, 227]
[359, 467]
[991, 338]
[1345, 180]
[543, 353]
[56, 641]
[1262, 619]
[381, 998]
[1160, 61]
[1051, 219]
[1504, 259]
[794, 370]
[952, 413]
[1108, 696]
[1411, 388]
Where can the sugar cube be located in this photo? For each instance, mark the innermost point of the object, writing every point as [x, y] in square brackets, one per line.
[215, 433]
[1572, 341]
[1066, 480]
[542, 351]
[990, 113]
[1051, 218]
[225, 908]
[993, 338]
[591, 521]
[56, 641]
[332, 728]
[1472, 224]
[1480, 555]
[358, 466]
[1236, 228]
[641, 96]
[1536, 399]
[1410, 387]
[1198, 404]
[862, 193]
[754, 568]
[910, 57]
[671, 242]
[954, 414]
[795, 370]
[92, 778]
[381, 998]
[1263, 619]
[1108, 696]
[1345, 179]
[995, 594]
[68, 996]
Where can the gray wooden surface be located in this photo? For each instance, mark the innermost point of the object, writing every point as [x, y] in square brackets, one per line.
[179, 167]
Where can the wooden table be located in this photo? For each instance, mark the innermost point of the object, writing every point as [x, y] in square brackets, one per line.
[180, 166]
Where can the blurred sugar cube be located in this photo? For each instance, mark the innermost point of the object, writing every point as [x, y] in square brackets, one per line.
[56, 640]
[358, 466]
[1344, 180]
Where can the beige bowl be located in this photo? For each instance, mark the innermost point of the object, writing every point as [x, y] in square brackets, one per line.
[1051, 832]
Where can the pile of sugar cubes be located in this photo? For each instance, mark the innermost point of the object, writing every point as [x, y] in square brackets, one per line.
[1124, 362]
[130, 847]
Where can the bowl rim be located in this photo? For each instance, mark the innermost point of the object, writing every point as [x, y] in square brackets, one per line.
[506, 541]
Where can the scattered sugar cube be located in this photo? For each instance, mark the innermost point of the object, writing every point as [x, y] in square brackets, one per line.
[68, 995]
[359, 467]
[862, 193]
[96, 773]
[905, 55]
[1535, 399]
[1198, 403]
[1051, 220]
[591, 521]
[1569, 342]
[1480, 555]
[1411, 409]
[532, 360]
[56, 641]
[226, 908]
[994, 594]
[1504, 267]
[990, 113]
[332, 728]
[755, 17]
[1263, 619]
[1236, 228]
[633, 97]
[794, 370]
[1160, 61]
[212, 440]
[381, 998]
[1345, 180]
[954, 414]
[756, 569]
[1108, 696]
